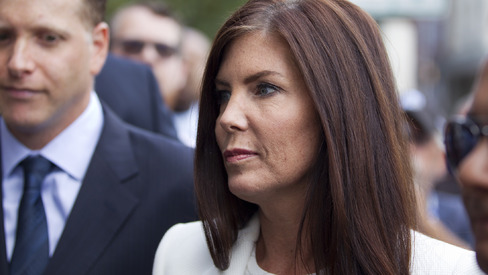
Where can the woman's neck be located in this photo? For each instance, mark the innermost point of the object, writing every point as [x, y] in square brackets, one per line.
[276, 250]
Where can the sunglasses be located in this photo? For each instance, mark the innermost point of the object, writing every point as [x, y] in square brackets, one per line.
[136, 47]
[461, 136]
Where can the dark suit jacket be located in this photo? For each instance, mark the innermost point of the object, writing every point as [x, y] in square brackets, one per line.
[137, 185]
[132, 92]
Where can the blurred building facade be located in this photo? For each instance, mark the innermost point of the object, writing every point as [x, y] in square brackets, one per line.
[435, 46]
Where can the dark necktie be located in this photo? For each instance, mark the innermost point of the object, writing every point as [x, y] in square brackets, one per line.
[31, 252]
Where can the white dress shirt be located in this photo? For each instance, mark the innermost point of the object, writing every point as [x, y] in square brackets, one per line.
[186, 124]
[70, 151]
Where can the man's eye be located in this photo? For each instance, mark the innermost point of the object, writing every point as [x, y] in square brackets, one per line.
[265, 89]
[5, 36]
[49, 38]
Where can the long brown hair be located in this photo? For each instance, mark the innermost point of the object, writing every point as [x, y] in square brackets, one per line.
[360, 204]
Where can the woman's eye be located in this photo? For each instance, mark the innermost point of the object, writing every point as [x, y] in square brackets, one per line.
[223, 96]
[265, 89]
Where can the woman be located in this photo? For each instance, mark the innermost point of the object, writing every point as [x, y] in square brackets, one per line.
[300, 162]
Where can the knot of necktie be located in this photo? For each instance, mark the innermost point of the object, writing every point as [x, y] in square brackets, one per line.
[35, 170]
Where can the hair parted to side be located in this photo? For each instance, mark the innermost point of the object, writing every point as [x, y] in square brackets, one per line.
[360, 205]
[93, 11]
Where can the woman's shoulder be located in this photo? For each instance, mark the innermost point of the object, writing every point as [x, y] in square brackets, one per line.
[431, 256]
[183, 250]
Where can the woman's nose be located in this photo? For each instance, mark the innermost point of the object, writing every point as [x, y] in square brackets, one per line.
[233, 114]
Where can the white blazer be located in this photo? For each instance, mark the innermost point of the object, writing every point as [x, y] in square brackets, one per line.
[183, 251]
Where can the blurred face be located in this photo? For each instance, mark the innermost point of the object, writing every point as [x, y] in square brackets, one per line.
[194, 49]
[144, 36]
[473, 175]
[268, 130]
[48, 57]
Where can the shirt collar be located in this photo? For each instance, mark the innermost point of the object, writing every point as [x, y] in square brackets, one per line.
[71, 150]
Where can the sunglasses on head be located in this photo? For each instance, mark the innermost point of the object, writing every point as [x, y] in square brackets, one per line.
[461, 136]
[136, 47]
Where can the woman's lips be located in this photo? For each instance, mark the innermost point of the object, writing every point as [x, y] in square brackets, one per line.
[236, 155]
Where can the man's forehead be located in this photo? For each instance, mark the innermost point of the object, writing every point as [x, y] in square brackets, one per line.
[141, 24]
[41, 12]
[138, 15]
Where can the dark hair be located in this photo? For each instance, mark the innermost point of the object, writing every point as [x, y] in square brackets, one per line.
[93, 11]
[360, 205]
[158, 8]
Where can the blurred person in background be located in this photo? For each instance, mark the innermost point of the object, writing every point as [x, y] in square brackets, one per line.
[149, 32]
[195, 47]
[467, 154]
[132, 92]
[441, 215]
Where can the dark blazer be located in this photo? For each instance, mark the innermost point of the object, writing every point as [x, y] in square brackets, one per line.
[132, 92]
[137, 185]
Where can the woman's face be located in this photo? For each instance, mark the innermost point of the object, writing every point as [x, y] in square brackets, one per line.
[267, 130]
[473, 175]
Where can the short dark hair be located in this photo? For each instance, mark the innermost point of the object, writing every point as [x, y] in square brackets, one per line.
[158, 8]
[93, 11]
[360, 205]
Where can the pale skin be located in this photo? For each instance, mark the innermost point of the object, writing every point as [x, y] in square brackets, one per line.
[268, 132]
[473, 174]
[195, 48]
[49, 57]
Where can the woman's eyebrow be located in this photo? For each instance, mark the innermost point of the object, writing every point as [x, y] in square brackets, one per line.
[258, 75]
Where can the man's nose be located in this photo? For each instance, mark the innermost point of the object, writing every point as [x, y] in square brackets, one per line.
[473, 170]
[20, 60]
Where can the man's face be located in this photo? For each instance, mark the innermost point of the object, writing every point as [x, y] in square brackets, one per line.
[48, 57]
[144, 36]
[473, 174]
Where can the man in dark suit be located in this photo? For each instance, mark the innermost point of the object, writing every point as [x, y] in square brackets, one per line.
[130, 89]
[82, 192]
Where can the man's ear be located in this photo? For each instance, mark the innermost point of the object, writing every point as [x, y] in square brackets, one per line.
[100, 44]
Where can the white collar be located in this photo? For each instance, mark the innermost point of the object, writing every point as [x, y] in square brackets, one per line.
[71, 150]
[242, 249]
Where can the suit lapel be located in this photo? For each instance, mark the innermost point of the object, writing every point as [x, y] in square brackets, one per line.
[102, 205]
[3, 247]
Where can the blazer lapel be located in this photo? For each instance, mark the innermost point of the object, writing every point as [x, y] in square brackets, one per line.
[102, 205]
